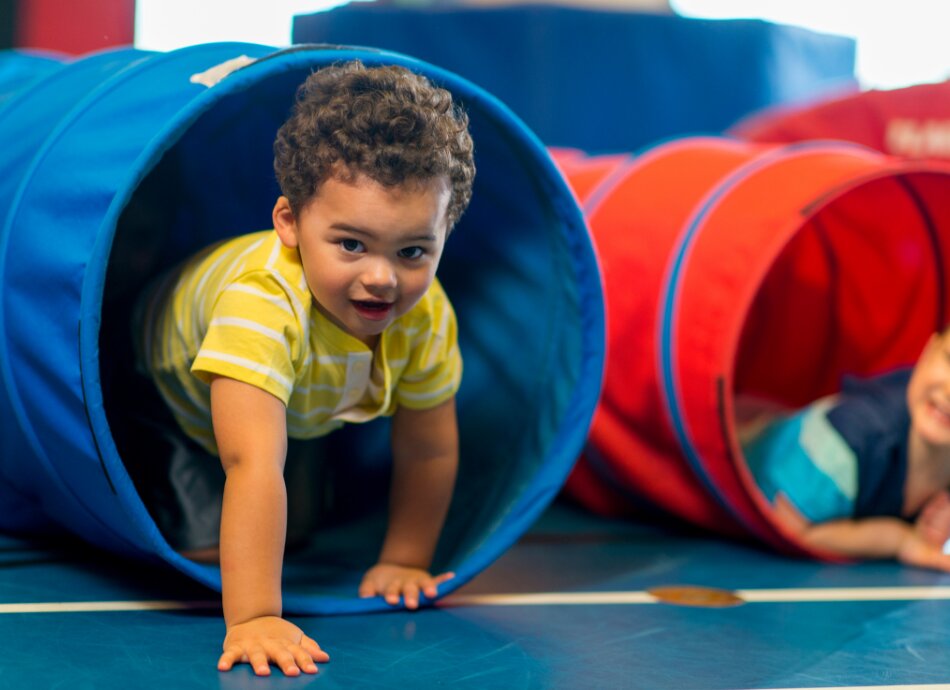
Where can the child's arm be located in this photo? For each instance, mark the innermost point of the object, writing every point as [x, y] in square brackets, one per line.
[870, 537]
[425, 462]
[250, 429]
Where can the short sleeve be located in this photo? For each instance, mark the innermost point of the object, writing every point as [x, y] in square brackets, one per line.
[434, 371]
[804, 458]
[254, 336]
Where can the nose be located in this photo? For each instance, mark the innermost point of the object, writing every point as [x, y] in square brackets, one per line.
[379, 274]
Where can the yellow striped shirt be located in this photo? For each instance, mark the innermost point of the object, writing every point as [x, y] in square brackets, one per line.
[242, 309]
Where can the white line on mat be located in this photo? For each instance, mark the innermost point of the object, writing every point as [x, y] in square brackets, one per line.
[752, 596]
[92, 606]
[938, 686]
[829, 594]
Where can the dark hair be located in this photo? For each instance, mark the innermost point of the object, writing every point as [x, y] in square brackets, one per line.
[387, 123]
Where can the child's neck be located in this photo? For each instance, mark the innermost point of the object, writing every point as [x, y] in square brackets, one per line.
[371, 341]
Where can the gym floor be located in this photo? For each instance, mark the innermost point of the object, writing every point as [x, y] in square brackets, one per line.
[566, 607]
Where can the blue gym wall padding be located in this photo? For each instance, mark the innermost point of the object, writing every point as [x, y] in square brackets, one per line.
[603, 79]
[124, 165]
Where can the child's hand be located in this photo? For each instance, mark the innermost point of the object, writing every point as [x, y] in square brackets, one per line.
[933, 523]
[260, 641]
[395, 581]
[917, 551]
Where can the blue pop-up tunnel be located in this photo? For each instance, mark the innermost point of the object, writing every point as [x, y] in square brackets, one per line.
[119, 164]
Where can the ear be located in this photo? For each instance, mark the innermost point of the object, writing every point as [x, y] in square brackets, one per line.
[285, 223]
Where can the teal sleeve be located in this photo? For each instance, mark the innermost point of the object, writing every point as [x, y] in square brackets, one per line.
[804, 457]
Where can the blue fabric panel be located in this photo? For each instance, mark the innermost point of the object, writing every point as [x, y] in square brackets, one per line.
[604, 80]
[26, 119]
[51, 230]
[19, 70]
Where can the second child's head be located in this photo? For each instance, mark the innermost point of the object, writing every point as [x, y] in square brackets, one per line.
[375, 167]
[928, 392]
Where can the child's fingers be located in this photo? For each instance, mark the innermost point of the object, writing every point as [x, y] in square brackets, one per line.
[367, 588]
[444, 577]
[932, 558]
[393, 592]
[284, 660]
[923, 555]
[430, 586]
[303, 659]
[408, 587]
[291, 658]
[410, 594]
[231, 656]
[259, 662]
[314, 650]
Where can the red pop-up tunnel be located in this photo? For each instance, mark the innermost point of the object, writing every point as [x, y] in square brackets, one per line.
[913, 121]
[733, 269]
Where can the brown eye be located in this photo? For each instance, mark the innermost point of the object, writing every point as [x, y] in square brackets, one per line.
[411, 252]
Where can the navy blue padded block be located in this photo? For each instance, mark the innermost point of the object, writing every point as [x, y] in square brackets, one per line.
[603, 80]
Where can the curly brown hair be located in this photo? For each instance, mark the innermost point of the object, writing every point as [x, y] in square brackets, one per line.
[387, 123]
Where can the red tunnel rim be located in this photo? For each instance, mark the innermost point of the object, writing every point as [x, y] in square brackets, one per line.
[755, 512]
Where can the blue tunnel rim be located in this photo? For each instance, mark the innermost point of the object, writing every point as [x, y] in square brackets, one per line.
[564, 446]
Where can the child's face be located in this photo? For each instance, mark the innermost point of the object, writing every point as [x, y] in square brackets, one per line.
[928, 393]
[369, 252]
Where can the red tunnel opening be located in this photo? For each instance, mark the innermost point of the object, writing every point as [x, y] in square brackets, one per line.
[735, 273]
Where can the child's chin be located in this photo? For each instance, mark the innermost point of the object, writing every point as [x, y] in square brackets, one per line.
[933, 432]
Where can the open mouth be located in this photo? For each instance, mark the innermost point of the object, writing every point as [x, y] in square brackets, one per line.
[941, 412]
[372, 309]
